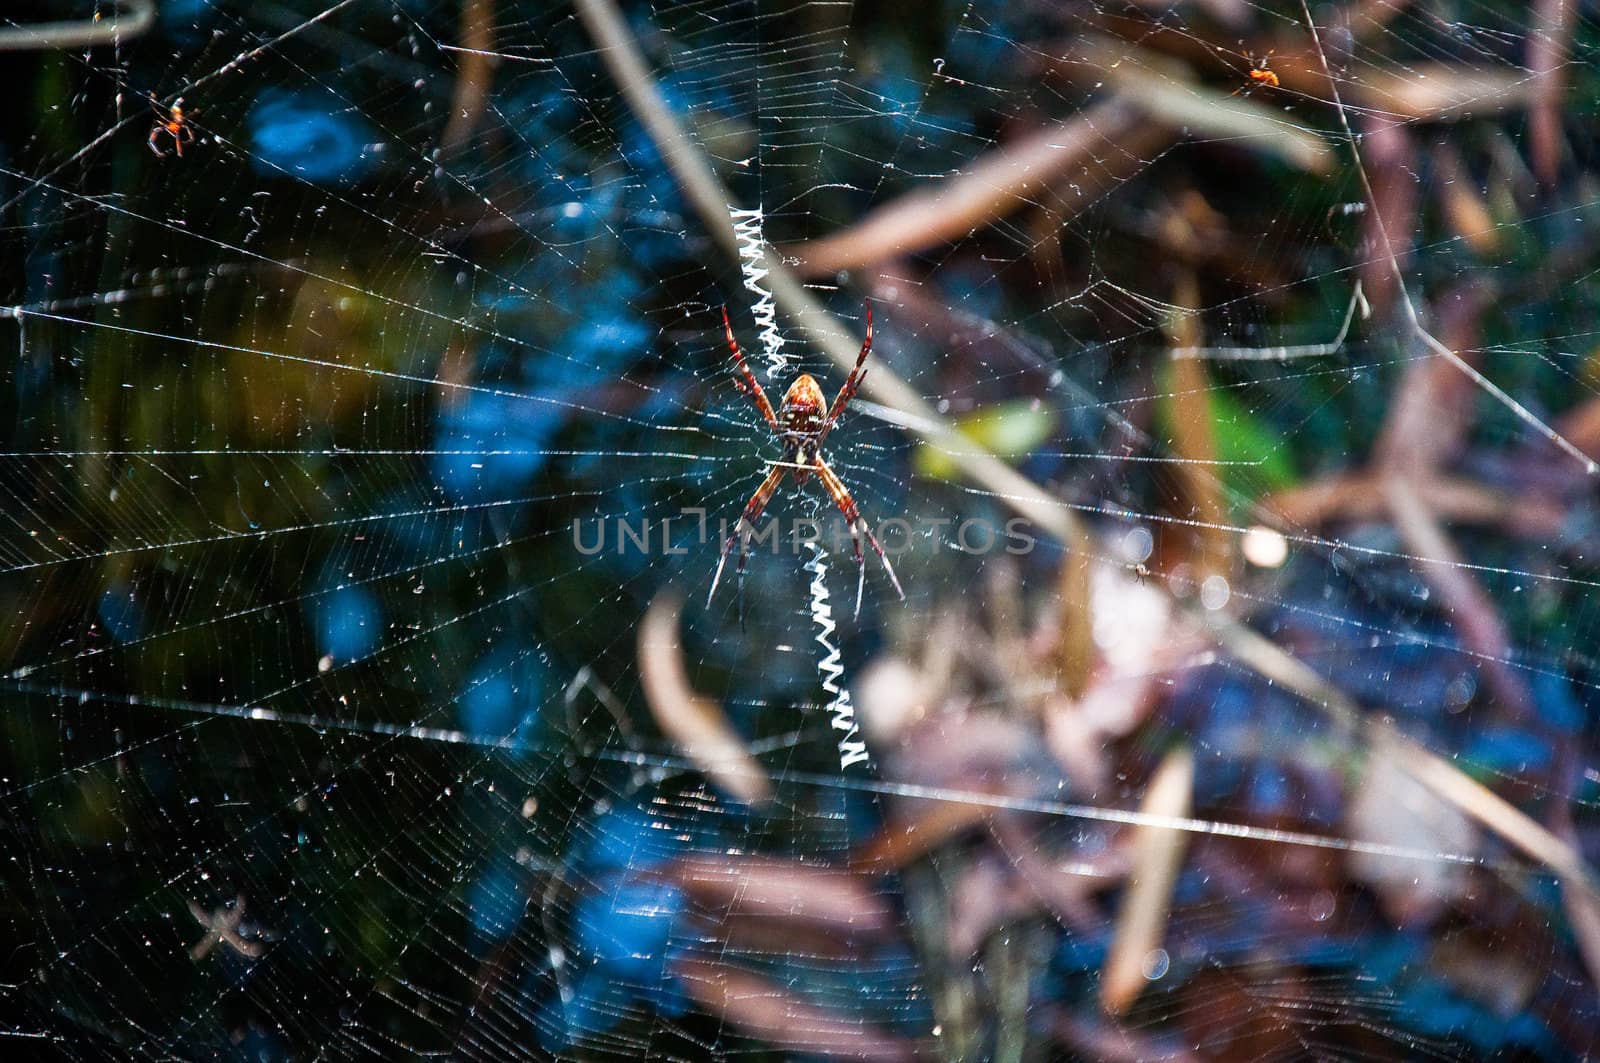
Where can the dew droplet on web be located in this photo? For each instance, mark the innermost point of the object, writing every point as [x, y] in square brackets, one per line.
[1264, 547]
[1137, 544]
[1215, 592]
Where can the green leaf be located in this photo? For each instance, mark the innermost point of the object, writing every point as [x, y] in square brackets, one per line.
[1007, 429]
[1242, 437]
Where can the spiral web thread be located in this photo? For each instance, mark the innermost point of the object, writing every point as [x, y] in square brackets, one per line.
[747, 226]
[843, 713]
[830, 669]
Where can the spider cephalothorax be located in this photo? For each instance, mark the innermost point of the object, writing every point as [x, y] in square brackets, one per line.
[803, 422]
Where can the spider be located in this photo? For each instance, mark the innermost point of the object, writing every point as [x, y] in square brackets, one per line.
[802, 423]
[172, 122]
[1260, 75]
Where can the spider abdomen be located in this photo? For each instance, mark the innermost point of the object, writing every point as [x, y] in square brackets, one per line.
[803, 405]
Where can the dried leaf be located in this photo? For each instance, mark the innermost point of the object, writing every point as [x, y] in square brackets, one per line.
[782, 890]
[1158, 854]
[1076, 652]
[980, 751]
[771, 1011]
[1171, 97]
[1135, 640]
[694, 723]
[1439, 91]
[1478, 967]
[1485, 806]
[1465, 210]
[890, 696]
[1391, 808]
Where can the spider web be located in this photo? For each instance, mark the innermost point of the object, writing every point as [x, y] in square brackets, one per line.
[368, 465]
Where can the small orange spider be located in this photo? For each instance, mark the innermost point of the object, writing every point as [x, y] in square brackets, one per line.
[1260, 75]
[172, 122]
[803, 426]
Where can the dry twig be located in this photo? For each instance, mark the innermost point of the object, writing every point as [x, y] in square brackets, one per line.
[1142, 922]
[694, 722]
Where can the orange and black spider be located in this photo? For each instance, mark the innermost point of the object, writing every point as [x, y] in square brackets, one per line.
[802, 425]
[1260, 75]
[171, 121]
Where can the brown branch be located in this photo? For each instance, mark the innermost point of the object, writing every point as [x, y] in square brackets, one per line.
[1548, 47]
[1433, 406]
[474, 77]
[1470, 611]
[1358, 496]
[1389, 153]
[1463, 205]
[781, 890]
[1103, 145]
[1194, 437]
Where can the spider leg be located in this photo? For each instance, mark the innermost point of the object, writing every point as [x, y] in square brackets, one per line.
[858, 527]
[749, 385]
[852, 383]
[155, 134]
[742, 531]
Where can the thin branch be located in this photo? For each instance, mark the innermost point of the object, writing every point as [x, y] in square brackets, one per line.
[1358, 301]
[1471, 612]
[1105, 143]
[1142, 919]
[1549, 50]
[134, 20]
